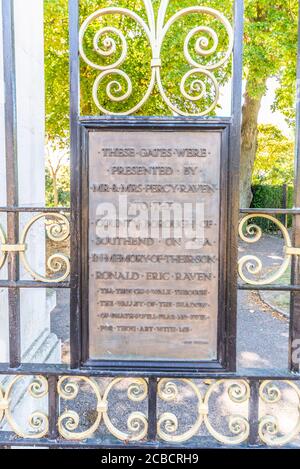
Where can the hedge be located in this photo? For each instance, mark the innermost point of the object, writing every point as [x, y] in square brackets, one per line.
[267, 196]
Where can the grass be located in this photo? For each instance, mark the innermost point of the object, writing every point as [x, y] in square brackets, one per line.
[278, 299]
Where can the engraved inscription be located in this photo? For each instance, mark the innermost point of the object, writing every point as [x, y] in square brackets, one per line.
[154, 220]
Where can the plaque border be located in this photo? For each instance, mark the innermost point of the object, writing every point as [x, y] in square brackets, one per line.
[226, 321]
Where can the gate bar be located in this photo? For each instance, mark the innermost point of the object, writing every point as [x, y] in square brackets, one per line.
[271, 287]
[271, 211]
[234, 170]
[11, 155]
[295, 276]
[33, 284]
[152, 409]
[254, 412]
[35, 209]
[45, 369]
[53, 407]
[75, 251]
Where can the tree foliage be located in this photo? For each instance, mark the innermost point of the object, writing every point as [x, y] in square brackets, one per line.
[270, 43]
[63, 188]
[274, 163]
[56, 68]
[137, 64]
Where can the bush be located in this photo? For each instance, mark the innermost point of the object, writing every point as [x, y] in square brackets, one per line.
[267, 196]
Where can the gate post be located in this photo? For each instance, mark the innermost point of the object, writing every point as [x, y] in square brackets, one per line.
[254, 411]
[22, 127]
[295, 277]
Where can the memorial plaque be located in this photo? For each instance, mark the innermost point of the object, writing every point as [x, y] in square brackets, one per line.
[153, 244]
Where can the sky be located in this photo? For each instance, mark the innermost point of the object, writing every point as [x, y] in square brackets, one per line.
[266, 115]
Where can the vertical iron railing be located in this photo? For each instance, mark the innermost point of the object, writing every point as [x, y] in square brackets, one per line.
[75, 318]
[295, 277]
[12, 185]
[234, 170]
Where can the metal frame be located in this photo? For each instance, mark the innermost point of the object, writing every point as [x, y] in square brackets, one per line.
[11, 180]
[255, 378]
[156, 28]
[295, 277]
[227, 348]
[226, 317]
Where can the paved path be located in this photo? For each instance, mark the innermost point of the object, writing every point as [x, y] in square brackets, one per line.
[262, 334]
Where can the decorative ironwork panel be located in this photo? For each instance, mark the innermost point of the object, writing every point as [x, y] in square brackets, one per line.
[203, 403]
[35, 425]
[195, 411]
[57, 228]
[251, 264]
[134, 390]
[199, 86]
[94, 410]
[279, 419]
[151, 295]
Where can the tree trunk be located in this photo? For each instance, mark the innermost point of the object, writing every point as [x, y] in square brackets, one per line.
[55, 191]
[251, 110]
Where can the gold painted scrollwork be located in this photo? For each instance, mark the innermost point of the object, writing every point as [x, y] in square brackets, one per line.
[168, 422]
[58, 230]
[252, 264]
[3, 255]
[137, 422]
[269, 428]
[238, 392]
[69, 420]
[105, 46]
[3, 404]
[38, 420]
[198, 87]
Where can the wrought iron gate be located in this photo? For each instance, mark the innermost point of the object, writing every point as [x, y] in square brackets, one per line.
[153, 396]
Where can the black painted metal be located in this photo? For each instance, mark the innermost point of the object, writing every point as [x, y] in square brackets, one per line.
[227, 258]
[45, 369]
[75, 307]
[234, 171]
[110, 443]
[254, 412]
[35, 209]
[13, 284]
[53, 407]
[295, 277]
[12, 197]
[271, 211]
[32, 284]
[274, 287]
[152, 409]
[86, 120]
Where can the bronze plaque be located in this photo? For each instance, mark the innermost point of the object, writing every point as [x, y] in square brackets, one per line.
[154, 221]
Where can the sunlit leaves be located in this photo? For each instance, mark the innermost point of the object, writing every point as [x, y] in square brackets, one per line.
[274, 164]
